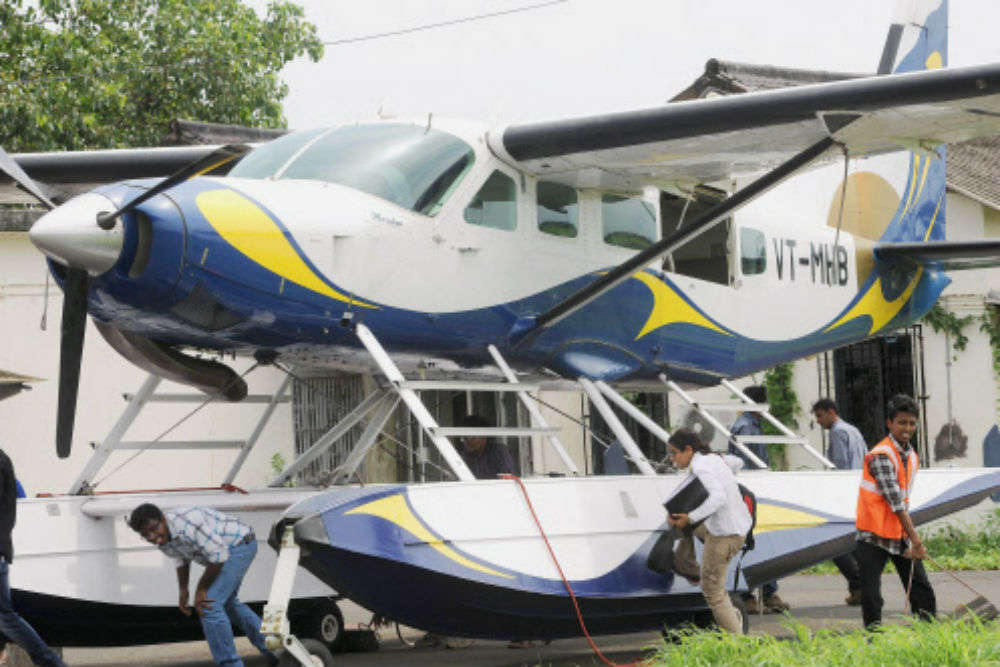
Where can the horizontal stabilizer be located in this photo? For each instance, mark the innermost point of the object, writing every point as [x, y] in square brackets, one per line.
[945, 255]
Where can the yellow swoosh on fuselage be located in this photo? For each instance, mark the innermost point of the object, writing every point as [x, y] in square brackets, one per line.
[775, 517]
[246, 227]
[669, 307]
[875, 305]
[394, 509]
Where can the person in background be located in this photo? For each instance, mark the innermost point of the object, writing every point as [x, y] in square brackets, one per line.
[726, 522]
[485, 457]
[847, 451]
[748, 423]
[885, 528]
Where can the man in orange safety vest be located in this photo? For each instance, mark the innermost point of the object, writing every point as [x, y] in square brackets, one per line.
[885, 529]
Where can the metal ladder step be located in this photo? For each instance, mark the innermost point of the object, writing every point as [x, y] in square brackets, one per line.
[201, 398]
[488, 431]
[770, 439]
[181, 444]
[468, 386]
[734, 406]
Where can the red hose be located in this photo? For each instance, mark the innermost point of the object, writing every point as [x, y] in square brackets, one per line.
[569, 588]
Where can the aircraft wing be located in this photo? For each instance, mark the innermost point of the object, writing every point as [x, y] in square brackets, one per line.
[944, 255]
[70, 172]
[703, 141]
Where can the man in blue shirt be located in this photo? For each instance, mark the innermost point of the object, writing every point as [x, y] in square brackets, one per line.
[847, 451]
[748, 423]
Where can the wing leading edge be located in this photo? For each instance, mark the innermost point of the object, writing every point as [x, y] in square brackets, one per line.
[702, 141]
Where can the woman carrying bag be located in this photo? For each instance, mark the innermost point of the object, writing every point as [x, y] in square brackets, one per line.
[722, 520]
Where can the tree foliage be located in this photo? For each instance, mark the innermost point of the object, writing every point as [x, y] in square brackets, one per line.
[78, 74]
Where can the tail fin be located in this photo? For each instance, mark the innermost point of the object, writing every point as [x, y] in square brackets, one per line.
[920, 33]
[918, 40]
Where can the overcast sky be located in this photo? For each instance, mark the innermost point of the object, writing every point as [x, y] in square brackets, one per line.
[581, 56]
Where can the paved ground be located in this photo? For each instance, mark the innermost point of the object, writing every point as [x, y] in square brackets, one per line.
[816, 601]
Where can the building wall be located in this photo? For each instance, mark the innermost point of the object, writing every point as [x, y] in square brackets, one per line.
[27, 421]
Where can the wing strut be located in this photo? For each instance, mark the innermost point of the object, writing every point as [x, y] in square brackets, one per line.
[696, 227]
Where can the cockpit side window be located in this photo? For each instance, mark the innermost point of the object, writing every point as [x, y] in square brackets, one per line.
[753, 252]
[495, 205]
[266, 160]
[628, 222]
[558, 209]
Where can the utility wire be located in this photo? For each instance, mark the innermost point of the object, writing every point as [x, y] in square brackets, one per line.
[441, 24]
[202, 61]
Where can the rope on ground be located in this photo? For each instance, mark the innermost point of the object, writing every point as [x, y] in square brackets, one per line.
[569, 588]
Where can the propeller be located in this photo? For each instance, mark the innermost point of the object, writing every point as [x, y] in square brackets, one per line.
[74, 326]
[74, 320]
[216, 158]
[76, 283]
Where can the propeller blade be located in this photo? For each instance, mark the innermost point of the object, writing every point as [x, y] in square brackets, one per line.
[216, 158]
[74, 325]
[13, 171]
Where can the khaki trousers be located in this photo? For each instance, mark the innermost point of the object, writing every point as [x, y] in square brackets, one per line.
[715, 557]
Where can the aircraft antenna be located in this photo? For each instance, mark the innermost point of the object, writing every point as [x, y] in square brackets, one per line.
[843, 197]
[45, 304]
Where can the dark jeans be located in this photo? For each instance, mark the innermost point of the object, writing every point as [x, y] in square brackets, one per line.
[848, 566]
[871, 562]
[17, 629]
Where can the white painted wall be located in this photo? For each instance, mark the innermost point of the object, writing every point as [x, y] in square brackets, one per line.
[27, 421]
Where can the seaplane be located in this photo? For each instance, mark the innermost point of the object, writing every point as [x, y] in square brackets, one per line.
[645, 248]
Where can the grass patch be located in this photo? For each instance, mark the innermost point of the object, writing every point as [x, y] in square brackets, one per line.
[955, 547]
[920, 644]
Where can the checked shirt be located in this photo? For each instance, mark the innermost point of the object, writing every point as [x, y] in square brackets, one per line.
[201, 535]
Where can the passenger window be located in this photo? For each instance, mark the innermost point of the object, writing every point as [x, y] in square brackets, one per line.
[705, 256]
[628, 222]
[495, 205]
[753, 252]
[558, 210]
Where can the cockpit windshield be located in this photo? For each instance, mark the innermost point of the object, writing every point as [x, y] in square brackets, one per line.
[411, 166]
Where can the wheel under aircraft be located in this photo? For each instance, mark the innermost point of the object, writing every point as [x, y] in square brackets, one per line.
[621, 249]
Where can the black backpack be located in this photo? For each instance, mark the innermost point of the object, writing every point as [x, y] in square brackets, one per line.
[751, 502]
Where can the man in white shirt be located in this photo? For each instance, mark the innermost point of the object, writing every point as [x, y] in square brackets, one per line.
[726, 522]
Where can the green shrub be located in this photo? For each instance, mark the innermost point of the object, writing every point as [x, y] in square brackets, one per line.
[917, 645]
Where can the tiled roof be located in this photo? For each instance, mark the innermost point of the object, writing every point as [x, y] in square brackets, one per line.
[974, 169]
[973, 166]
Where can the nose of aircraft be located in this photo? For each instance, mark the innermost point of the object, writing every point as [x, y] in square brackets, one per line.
[69, 234]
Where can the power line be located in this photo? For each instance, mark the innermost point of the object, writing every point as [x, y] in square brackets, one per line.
[203, 61]
[429, 26]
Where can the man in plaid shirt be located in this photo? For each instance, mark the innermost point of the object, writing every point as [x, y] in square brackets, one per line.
[225, 547]
[885, 529]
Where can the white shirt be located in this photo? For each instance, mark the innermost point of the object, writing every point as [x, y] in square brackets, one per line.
[724, 508]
